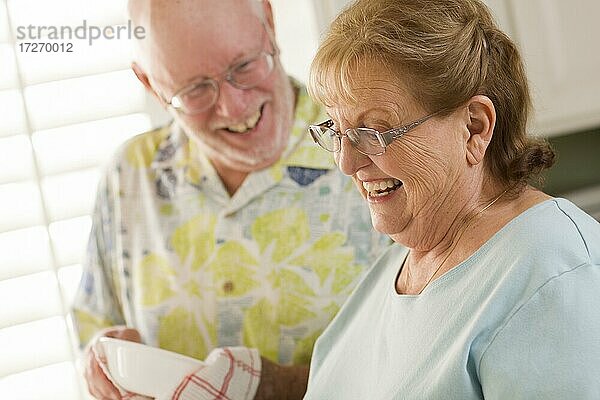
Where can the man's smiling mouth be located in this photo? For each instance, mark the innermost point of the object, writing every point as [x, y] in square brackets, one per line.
[247, 125]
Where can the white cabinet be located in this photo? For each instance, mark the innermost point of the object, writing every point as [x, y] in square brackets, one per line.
[560, 41]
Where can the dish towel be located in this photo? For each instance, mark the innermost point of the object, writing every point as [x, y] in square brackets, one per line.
[228, 373]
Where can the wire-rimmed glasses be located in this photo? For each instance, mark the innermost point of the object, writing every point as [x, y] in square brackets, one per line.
[368, 141]
[246, 74]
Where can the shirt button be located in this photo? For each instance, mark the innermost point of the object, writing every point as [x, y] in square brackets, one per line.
[228, 286]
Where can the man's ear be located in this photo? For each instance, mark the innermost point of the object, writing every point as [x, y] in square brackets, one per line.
[481, 122]
[141, 75]
[268, 14]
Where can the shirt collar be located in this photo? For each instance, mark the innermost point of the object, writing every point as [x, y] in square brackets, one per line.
[177, 152]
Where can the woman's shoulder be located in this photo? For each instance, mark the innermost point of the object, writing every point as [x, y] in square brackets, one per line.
[587, 228]
[557, 229]
[548, 240]
[548, 277]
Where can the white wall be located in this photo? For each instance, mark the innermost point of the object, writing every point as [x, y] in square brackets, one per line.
[297, 33]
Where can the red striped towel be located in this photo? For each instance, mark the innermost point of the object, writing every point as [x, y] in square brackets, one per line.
[228, 373]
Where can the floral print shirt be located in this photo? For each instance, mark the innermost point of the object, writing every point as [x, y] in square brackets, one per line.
[192, 268]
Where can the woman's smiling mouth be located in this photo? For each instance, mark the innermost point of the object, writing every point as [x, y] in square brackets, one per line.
[382, 187]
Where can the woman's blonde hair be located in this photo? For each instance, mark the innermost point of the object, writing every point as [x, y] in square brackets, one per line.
[445, 52]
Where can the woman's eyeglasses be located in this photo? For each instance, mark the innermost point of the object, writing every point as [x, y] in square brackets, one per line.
[368, 141]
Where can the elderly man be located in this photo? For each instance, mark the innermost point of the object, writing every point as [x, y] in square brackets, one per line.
[229, 227]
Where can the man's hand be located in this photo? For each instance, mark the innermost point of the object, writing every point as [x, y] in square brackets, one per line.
[281, 382]
[99, 385]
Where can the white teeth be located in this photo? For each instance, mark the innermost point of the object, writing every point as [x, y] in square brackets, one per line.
[247, 125]
[375, 188]
[251, 122]
[239, 128]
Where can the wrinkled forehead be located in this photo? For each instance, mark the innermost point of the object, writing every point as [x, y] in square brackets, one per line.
[365, 90]
[352, 84]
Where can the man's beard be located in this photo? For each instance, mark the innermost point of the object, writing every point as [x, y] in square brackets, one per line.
[247, 160]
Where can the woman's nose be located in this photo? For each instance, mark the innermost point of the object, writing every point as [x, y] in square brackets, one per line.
[348, 159]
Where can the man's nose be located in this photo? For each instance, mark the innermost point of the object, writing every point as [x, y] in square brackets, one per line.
[348, 159]
[232, 102]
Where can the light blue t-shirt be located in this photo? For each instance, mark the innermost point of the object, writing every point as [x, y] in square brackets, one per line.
[519, 319]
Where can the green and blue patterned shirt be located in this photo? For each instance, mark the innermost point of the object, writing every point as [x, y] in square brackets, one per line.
[192, 268]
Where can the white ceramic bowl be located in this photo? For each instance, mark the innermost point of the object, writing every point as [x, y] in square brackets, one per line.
[145, 369]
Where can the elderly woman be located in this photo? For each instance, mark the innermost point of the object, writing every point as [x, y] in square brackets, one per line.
[493, 288]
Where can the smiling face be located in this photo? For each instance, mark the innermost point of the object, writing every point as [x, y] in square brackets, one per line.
[411, 186]
[188, 40]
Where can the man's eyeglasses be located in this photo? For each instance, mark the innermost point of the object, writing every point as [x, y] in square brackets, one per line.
[368, 141]
[246, 74]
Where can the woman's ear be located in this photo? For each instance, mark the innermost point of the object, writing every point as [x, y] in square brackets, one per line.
[481, 122]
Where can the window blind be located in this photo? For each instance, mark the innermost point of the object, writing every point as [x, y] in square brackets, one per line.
[63, 115]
